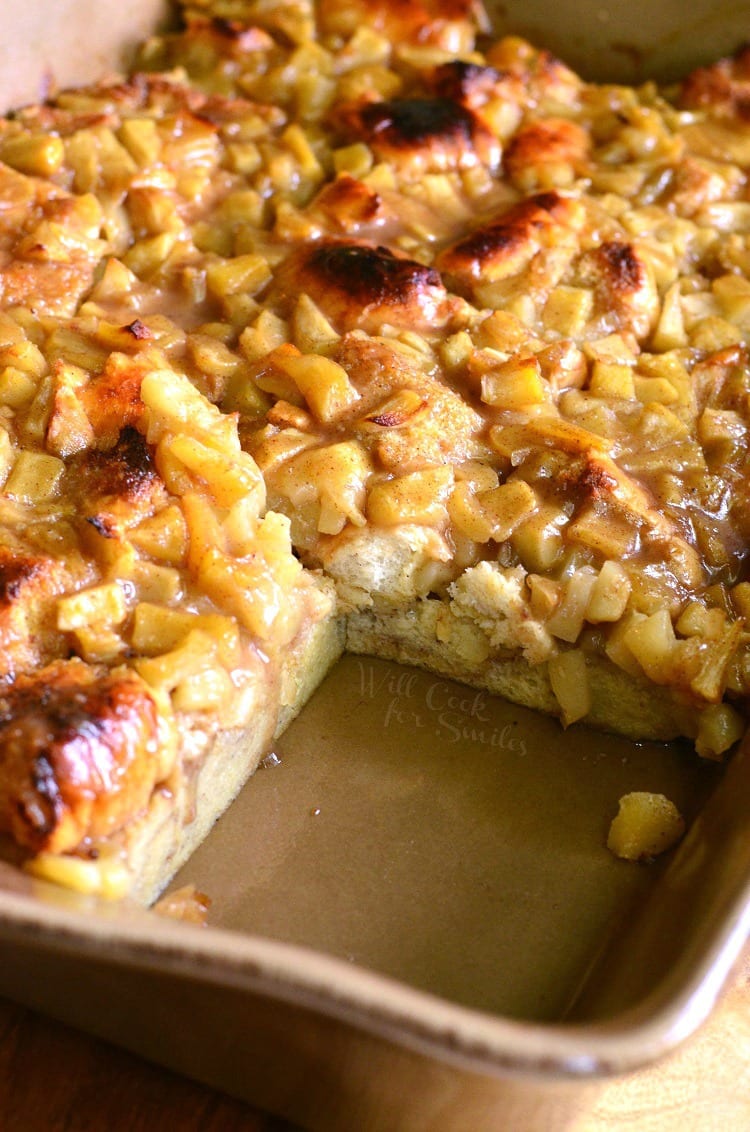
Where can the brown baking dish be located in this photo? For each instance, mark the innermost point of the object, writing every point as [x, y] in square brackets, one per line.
[414, 919]
[409, 917]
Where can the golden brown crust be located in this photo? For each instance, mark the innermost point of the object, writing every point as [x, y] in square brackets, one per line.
[510, 242]
[111, 400]
[424, 135]
[78, 754]
[49, 244]
[469, 84]
[348, 204]
[30, 583]
[723, 87]
[554, 141]
[118, 486]
[357, 285]
[625, 294]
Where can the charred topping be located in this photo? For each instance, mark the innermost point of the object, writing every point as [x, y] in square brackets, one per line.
[42, 818]
[513, 229]
[589, 480]
[543, 202]
[461, 81]
[371, 275]
[393, 418]
[15, 572]
[65, 700]
[723, 87]
[104, 525]
[233, 35]
[77, 730]
[125, 471]
[624, 269]
[231, 29]
[489, 241]
[138, 329]
[411, 122]
[119, 484]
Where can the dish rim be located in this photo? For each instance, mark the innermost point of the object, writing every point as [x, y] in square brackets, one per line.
[34, 913]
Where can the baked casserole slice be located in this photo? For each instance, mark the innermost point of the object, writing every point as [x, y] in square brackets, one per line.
[337, 326]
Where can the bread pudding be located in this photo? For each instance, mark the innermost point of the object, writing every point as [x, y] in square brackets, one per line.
[339, 326]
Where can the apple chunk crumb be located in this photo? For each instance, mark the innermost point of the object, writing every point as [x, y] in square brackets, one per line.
[646, 825]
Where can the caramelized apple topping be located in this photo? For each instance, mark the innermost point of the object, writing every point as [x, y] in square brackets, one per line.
[325, 286]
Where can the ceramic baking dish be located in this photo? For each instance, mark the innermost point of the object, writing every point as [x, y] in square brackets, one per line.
[414, 914]
[414, 920]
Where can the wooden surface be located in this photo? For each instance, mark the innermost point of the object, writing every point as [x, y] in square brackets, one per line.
[55, 1080]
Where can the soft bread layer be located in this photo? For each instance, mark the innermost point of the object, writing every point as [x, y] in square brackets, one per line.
[381, 576]
[177, 821]
[619, 702]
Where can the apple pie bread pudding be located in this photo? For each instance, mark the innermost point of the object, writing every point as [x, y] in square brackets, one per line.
[340, 326]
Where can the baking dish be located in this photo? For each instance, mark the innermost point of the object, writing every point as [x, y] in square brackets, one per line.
[401, 927]
[409, 928]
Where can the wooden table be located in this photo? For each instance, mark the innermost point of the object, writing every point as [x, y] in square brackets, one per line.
[53, 1079]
